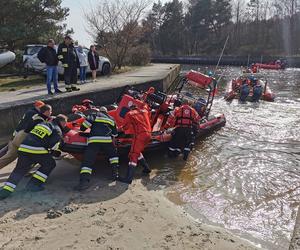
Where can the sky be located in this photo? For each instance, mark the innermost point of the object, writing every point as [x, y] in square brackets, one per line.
[76, 19]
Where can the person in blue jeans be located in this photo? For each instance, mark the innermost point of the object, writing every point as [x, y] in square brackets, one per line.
[48, 56]
[82, 57]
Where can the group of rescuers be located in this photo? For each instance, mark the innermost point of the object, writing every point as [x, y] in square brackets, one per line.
[36, 143]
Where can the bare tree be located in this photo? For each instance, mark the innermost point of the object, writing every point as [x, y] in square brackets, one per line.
[114, 25]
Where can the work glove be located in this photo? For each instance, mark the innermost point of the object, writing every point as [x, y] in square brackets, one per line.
[55, 153]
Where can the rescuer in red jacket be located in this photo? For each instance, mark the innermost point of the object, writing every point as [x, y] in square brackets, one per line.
[137, 123]
[185, 119]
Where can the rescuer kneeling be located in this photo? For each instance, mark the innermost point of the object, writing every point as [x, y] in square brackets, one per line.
[137, 121]
[38, 147]
[103, 130]
[185, 119]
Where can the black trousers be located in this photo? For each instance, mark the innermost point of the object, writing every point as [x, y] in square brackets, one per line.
[24, 163]
[181, 140]
[70, 75]
[90, 156]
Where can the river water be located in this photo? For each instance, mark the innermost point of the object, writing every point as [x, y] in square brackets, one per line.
[246, 176]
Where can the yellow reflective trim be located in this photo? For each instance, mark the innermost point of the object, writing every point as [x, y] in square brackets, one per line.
[60, 57]
[56, 146]
[105, 121]
[65, 65]
[85, 125]
[26, 150]
[103, 141]
[8, 188]
[40, 131]
[42, 179]
[114, 161]
[85, 171]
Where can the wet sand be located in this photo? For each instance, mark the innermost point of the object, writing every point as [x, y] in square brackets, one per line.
[110, 215]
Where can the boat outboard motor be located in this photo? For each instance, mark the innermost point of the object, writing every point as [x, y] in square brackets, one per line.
[156, 98]
[200, 106]
[245, 90]
[257, 92]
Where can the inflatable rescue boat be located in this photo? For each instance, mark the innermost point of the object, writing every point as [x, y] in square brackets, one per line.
[159, 106]
[275, 65]
[248, 88]
[6, 57]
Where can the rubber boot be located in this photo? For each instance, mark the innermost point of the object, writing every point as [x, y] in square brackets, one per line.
[145, 165]
[34, 185]
[84, 183]
[171, 154]
[4, 194]
[185, 154]
[115, 173]
[129, 176]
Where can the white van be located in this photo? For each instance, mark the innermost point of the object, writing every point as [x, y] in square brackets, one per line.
[31, 61]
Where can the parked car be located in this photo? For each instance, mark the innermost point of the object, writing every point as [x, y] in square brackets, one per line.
[32, 63]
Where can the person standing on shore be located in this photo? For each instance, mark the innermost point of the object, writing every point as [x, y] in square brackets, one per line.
[82, 56]
[68, 56]
[93, 59]
[48, 55]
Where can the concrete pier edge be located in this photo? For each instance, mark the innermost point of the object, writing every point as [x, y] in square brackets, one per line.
[10, 113]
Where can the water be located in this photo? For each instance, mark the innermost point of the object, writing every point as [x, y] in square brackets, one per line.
[246, 176]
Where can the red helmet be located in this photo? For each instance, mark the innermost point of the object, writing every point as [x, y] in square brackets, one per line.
[87, 101]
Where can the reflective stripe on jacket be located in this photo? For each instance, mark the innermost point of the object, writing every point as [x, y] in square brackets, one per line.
[41, 139]
[103, 128]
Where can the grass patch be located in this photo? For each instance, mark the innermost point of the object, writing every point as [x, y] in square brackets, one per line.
[16, 82]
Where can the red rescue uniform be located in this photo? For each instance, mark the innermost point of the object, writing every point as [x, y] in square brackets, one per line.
[185, 120]
[138, 123]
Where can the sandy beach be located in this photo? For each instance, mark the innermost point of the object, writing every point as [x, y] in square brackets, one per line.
[110, 215]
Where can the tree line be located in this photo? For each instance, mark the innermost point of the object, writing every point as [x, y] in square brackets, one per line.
[196, 27]
[256, 27]
[31, 21]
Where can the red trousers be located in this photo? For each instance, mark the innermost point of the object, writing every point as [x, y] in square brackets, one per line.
[139, 142]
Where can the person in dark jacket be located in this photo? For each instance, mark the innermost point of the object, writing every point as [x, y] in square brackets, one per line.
[48, 55]
[93, 59]
[103, 129]
[39, 113]
[38, 147]
[67, 54]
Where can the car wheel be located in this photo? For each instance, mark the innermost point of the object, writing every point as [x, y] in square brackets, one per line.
[105, 69]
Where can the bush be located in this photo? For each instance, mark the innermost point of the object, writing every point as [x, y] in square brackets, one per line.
[139, 55]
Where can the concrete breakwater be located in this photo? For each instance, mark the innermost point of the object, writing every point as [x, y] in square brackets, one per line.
[104, 91]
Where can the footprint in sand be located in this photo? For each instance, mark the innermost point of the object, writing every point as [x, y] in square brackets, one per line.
[52, 214]
[101, 211]
[139, 219]
[101, 240]
[168, 238]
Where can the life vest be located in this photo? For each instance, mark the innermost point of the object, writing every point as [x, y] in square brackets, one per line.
[185, 116]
